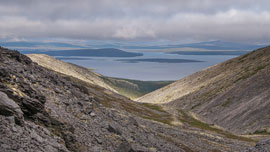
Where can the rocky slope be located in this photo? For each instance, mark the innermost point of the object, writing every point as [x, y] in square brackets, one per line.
[129, 88]
[234, 94]
[41, 110]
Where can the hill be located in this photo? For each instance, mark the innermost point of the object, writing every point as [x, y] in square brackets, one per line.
[107, 52]
[43, 110]
[29, 44]
[73, 70]
[134, 89]
[129, 88]
[233, 94]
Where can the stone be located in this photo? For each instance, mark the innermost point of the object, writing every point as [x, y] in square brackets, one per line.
[49, 148]
[97, 134]
[35, 136]
[124, 147]
[114, 129]
[96, 149]
[83, 117]
[8, 107]
[14, 129]
[5, 146]
[32, 106]
[92, 114]
[99, 141]
[133, 121]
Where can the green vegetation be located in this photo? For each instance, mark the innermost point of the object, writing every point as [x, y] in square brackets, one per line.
[185, 118]
[146, 111]
[134, 88]
[154, 107]
[261, 132]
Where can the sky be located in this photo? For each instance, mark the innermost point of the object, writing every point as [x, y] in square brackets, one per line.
[136, 20]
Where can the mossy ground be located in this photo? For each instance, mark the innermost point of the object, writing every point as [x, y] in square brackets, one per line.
[134, 88]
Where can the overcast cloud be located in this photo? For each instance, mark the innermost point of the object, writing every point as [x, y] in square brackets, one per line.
[174, 20]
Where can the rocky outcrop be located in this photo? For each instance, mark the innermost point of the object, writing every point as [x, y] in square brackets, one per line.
[262, 146]
[10, 108]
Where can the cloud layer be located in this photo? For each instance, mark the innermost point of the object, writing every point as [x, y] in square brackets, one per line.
[174, 20]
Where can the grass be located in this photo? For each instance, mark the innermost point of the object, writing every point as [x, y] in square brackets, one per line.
[151, 112]
[185, 118]
[154, 107]
[134, 88]
[171, 140]
[261, 132]
[143, 110]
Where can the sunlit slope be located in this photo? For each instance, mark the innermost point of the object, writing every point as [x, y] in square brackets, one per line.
[69, 69]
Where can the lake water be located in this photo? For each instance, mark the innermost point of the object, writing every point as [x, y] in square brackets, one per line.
[109, 66]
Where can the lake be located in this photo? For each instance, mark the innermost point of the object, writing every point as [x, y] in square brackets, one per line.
[148, 67]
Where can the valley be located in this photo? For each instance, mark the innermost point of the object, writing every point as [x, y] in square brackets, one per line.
[134, 76]
[73, 105]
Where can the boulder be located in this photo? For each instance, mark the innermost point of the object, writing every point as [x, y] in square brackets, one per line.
[124, 147]
[9, 107]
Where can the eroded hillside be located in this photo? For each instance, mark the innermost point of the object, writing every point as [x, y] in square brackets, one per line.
[234, 94]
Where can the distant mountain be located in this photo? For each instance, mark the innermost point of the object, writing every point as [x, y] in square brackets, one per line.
[237, 53]
[219, 45]
[210, 45]
[158, 60]
[107, 52]
[234, 94]
[33, 45]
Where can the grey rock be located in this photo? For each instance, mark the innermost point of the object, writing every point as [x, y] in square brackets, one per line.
[124, 147]
[5, 146]
[92, 114]
[114, 129]
[49, 148]
[263, 145]
[133, 121]
[97, 134]
[36, 137]
[99, 141]
[14, 129]
[8, 107]
[96, 149]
